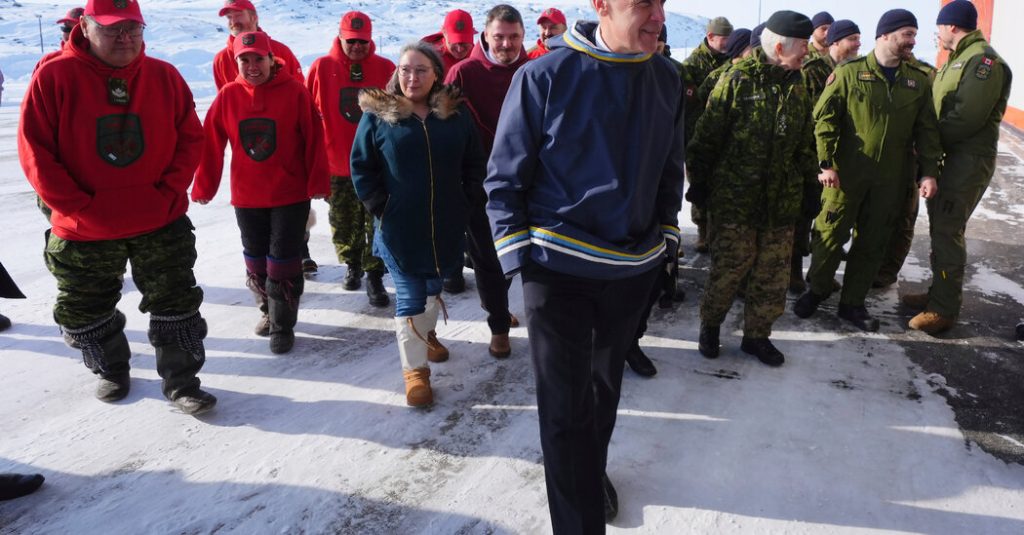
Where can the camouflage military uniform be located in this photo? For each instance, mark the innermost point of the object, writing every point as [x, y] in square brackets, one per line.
[752, 149]
[351, 227]
[865, 126]
[903, 229]
[971, 92]
[701, 62]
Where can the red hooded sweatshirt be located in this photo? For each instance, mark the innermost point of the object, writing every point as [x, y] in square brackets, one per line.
[277, 145]
[110, 150]
[538, 50]
[337, 96]
[225, 69]
[484, 84]
[437, 39]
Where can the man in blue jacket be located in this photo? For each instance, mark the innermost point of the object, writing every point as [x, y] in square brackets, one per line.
[585, 186]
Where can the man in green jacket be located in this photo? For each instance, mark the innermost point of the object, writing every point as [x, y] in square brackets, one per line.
[751, 160]
[873, 111]
[970, 95]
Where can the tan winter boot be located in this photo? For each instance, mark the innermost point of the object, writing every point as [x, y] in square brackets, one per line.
[436, 352]
[915, 301]
[417, 387]
[412, 349]
[931, 323]
[500, 347]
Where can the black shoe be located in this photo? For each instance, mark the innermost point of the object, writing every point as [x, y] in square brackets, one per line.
[763, 349]
[858, 315]
[807, 304]
[17, 485]
[1020, 331]
[353, 278]
[611, 500]
[282, 341]
[455, 284]
[195, 401]
[5, 323]
[639, 363]
[113, 386]
[309, 266]
[708, 343]
[883, 281]
[375, 291]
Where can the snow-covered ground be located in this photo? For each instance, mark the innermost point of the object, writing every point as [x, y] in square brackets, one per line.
[850, 436]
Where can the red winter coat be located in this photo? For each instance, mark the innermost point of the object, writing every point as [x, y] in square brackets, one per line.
[337, 97]
[108, 171]
[538, 50]
[225, 69]
[49, 56]
[277, 145]
[484, 85]
[437, 39]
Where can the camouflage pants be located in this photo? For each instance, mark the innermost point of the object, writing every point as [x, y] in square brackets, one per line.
[89, 274]
[765, 255]
[47, 212]
[351, 227]
[965, 177]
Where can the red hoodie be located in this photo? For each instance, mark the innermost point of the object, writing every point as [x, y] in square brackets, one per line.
[538, 50]
[337, 97]
[225, 70]
[277, 145]
[484, 84]
[108, 170]
[437, 39]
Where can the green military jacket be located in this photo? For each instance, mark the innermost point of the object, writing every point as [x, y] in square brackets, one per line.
[702, 61]
[866, 126]
[812, 53]
[816, 72]
[970, 96]
[753, 145]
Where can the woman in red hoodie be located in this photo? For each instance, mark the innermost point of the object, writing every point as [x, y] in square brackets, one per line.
[278, 163]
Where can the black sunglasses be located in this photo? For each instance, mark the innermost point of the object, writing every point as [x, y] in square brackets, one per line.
[356, 41]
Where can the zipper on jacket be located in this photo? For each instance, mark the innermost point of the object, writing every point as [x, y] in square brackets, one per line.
[430, 167]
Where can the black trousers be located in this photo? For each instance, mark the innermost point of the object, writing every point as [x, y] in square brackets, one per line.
[579, 330]
[491, 284]
[277, 232]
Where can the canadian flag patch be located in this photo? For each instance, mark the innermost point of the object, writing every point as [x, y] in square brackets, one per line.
[987, 61]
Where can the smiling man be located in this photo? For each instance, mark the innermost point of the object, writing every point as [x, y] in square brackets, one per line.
[584, 198]
[484, 78]
[551, 23]
[241, 17]
[109, 139]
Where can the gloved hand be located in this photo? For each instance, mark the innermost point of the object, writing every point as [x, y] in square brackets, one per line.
[698, 195]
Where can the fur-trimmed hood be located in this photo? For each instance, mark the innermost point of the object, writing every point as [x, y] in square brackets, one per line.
[393, 108]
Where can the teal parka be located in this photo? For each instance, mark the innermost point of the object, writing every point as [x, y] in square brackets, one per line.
[970, 95]
[753, 145]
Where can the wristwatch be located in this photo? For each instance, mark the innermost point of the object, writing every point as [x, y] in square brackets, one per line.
[825, 164]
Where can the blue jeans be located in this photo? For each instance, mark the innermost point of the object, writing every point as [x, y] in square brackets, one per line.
[411, 291]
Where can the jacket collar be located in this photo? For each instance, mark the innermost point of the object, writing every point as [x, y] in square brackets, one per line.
[581, 39]
[392, 108]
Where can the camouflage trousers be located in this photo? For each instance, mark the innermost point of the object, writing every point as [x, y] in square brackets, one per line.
[965, 177]
[737, 251]
[89, 274]
[351, 227]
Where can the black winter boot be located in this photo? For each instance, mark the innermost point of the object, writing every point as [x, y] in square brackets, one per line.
[283, 303]
[17, 485]
[105, 351]
[708, 343]
[807, 304]
[639, 362]
[375, 291]
[5, 323]
[258, 285]
[1020, 332]
[180, 355]
[454, 284]
[764, 350]
[858, 315]
[353, 278]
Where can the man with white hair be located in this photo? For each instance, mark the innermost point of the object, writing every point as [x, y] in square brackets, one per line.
[751, 161]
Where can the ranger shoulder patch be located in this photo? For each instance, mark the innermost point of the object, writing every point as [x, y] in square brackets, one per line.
[831, 79]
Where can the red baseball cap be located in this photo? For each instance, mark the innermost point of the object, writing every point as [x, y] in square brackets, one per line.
[356, 25]
[72, 17]
[458, 27]
[257, 42]
[107, 12]
[236, 5]
[552, 15]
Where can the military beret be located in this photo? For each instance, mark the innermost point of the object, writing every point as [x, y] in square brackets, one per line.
[959, 13]
[893, 20]
[755, 35]
[790, 24]
[719, 26]
[822, 19]
[738, 41]
[840, 30]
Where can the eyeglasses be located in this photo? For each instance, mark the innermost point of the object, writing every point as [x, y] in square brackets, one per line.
[356, 41]
[408, 72]
[132, 30]
[66, 29]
